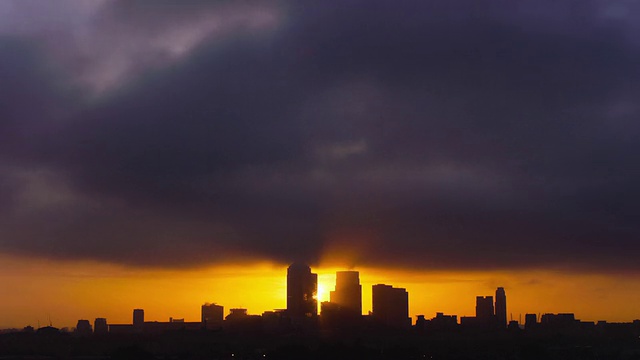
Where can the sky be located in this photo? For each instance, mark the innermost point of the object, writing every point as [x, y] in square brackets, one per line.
[490, 141]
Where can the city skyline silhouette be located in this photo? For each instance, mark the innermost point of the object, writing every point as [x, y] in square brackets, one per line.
[302, 300]
[338, 330]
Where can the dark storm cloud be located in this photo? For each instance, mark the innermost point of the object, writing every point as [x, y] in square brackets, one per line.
[435, 134]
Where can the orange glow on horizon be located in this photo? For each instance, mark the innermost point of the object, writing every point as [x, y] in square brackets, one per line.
[67, 291]
[323, 292]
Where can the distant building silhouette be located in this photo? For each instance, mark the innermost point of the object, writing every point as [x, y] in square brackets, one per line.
[391, 306]
[558, 321]
[212, 315]
[138, 318]
[501, 308]
[100, 326]
[239, 320]
[330, 313]
[83, 327]
[443, 322]
[484, 309]
[237, 313]
[302, 287]
[275, 321]
[421, 323]
[28, 329]
[48, 331]
[348, 291]
[336, 317]
[156, 327]
[530, 321]
[123, 329]
[468, 321]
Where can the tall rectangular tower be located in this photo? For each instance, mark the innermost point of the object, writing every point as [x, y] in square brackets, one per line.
[212, 315]
[100, 326]
[348, 292]
[484, 309]
[391, 306]
[501, 307]
[138, 318]
[302, 287]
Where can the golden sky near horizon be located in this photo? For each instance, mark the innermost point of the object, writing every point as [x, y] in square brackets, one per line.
[35, 290]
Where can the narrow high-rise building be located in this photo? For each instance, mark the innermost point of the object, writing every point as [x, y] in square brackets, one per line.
[501, 308]
[391, 306]
[302, 287]
[348, 292]
[138, 318]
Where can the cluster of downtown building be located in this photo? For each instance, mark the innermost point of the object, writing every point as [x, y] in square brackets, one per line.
[390, 312]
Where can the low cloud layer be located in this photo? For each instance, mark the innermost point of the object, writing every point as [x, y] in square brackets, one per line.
[427, 135]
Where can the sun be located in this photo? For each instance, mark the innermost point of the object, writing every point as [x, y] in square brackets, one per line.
[326, 281]
[322, 293]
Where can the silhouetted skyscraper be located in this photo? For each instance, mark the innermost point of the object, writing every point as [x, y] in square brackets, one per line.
[138, 318]
[484, 309]
[391, 306]
[348, 292]
[100, 326]
[212, 315]
[83, 327]
[302, 286]
[501, 308]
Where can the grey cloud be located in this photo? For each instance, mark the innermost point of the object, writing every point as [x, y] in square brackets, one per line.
[439, 134]
[106, 44]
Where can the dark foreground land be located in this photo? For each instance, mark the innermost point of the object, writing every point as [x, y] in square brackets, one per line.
[322, 345]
